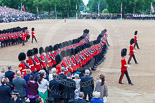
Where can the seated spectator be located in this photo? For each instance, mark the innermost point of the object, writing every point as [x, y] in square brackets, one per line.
[9, 74]
[15, 97]
[101, 86]
[54, 87]
[32, 89]
[2, 74]
[80, 98]
[20, 85]
[5, 92]
[87, 84]
[43, 86]
[96, 98]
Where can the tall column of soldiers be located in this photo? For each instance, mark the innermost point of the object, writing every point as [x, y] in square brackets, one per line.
[75, 55]
[13, 36]
[126, 65]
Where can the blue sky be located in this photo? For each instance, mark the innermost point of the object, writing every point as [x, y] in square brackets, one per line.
[85, 2]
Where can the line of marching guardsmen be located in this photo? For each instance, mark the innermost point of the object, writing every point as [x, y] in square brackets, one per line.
[76, 56]
[13, 36]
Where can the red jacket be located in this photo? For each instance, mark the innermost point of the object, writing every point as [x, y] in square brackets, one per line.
[37, 65]
[31, 64]
[131, 50]
[123, 62]
[43, 62]
[49, 60]
[22, 68]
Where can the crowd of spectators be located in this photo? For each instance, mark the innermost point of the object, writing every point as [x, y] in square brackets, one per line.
[13, 15]
[40, 87]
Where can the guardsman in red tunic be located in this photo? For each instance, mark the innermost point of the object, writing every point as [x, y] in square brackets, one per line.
[124, 67]
[73, 60]
[52, 56]
[44, 60]
[33, 36]
[1, 39]
[49, 63]
[135, 38]
[58, 59]
[23, 37]
[22, 66]
[132, 52]
[30, 61]
[37, 59]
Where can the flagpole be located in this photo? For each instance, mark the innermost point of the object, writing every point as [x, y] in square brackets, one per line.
[76, 10]
[121, 11]
[21, 7]
[151, 9]
[98, 9]
[55, 12]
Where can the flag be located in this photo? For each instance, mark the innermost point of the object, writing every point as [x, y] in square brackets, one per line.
[152, 8]
[76, 8]
[37, 9]
[23, 8]
[121, 9]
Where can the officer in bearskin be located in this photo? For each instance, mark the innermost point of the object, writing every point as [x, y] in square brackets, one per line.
[23, 66]
[124, 67]
[132, 51]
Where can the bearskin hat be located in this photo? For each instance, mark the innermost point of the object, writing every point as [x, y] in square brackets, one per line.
[132, 41]
[32, 29]
[63, 53]
[76, 50]
[123, 52]
[35, 50]
[86, 31]
[55, 47]
[50, 48]
[30, 53]
[41, 50]
[68, 53]
[72, 51]
[136, 32]
[21, 56]
[58, 59]
[46, 49]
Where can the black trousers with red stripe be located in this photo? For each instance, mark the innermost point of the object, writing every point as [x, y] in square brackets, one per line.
[136, 44]
[131, 58]
[127, 76]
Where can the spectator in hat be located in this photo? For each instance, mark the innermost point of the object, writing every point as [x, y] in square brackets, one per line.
[4, 92]
[9, 74]
[96, 98]
[20, 85]
[32, 89]
[15, 97]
